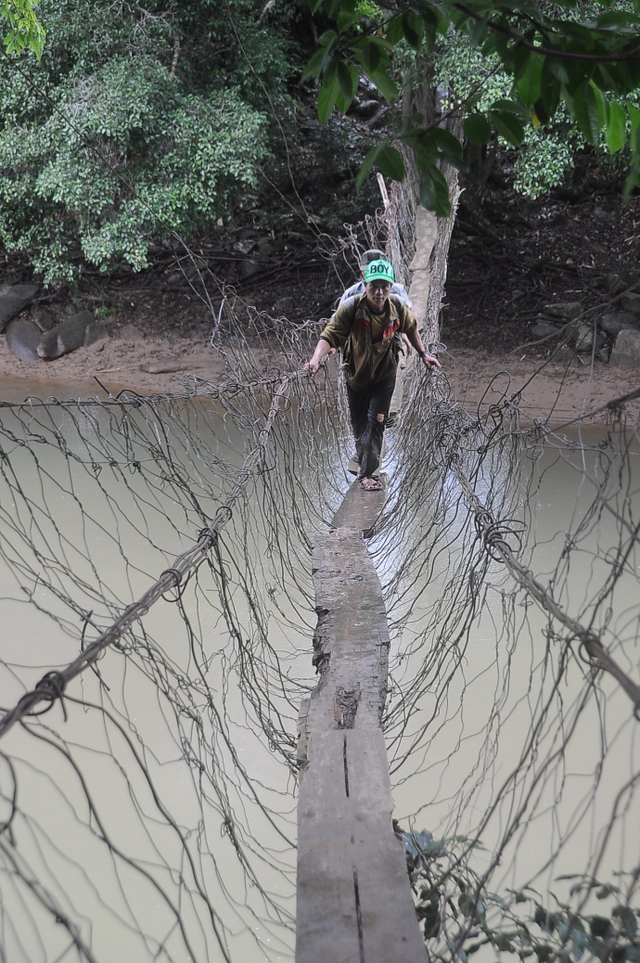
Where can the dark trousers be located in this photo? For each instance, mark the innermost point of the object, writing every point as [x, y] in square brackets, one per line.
[369, 410]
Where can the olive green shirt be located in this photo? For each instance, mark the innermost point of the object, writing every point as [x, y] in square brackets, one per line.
[370, 340]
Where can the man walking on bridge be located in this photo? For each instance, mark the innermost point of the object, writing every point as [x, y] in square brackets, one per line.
[369, 327]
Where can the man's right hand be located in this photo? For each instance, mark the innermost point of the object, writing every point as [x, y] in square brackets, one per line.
[323, 348]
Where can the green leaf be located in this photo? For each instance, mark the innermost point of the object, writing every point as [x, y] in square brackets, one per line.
[520, 56]
[446, 141]
[549, 95]
[511, 106]
[503, 45]
[433, 145]
[434, 193]
[413, 29]
[558, 69]
[628, 920]
[507, 125]
[477, 129]
[367, 53]
[607, 77]
[603, 107]
[433, 24]
[605, 890]
[368, 163]
[390, 163]
[316, 63]
[328, 38]
[328, 93]
[471, 102]
[25, 30]
[477, 31]
[579, 32]
[600, 926]
[586, 112]
[489, 47]
[387, 87]
[346, 17]
[530, 84]
[617, 18]
[348, 78]
[395, 31]
[634, 117]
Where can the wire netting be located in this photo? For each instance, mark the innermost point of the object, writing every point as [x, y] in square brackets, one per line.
[157, 614]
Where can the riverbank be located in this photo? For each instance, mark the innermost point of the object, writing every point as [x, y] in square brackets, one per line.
[551, 391]
[161, 365]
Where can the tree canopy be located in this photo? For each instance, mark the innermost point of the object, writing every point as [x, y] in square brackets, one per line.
[582, 58]
[137, 121]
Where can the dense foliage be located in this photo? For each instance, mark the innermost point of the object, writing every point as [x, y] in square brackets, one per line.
[557, 57]
[139, 120]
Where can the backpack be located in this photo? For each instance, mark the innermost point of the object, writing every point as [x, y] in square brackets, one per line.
[351, 303]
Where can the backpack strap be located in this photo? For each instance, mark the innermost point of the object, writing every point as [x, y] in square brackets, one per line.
[351, 304]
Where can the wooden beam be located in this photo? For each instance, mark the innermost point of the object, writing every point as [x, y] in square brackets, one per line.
[354, 899]
[360, 510]
[354, 902]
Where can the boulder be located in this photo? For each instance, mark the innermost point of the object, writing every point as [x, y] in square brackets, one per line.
[604, 212]
[584, 337]
[23, 338]
[626, 350]
[617, 283]
[44, 320]
[244, 246]
[13, 300]
[615, 321]
[565, 354]
[95, 332]
[67, 336]
[129, 332]
[265, 246]
[544, 330]
[249, 267]
[567, 310]
[631, 302]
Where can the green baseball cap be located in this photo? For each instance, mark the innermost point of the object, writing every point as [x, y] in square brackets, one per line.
[379, 270]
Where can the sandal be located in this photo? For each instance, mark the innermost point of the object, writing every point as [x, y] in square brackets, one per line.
[369, 484]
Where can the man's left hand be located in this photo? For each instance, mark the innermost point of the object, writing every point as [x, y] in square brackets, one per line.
[430, 361]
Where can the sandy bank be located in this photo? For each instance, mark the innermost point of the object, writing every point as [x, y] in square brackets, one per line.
[148, 366]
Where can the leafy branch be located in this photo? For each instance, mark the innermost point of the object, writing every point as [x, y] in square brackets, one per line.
[459, 916]
[25, 30]
[590, 66]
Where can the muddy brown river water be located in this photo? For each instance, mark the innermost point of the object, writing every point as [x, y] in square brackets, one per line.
[79, 774]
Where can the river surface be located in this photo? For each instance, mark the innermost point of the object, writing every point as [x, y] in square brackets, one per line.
[172, 765]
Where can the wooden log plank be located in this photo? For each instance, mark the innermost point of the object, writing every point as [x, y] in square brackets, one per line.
[351, 642]
[360, 510]
[354, 902]
[390, 929]
[327, 918]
